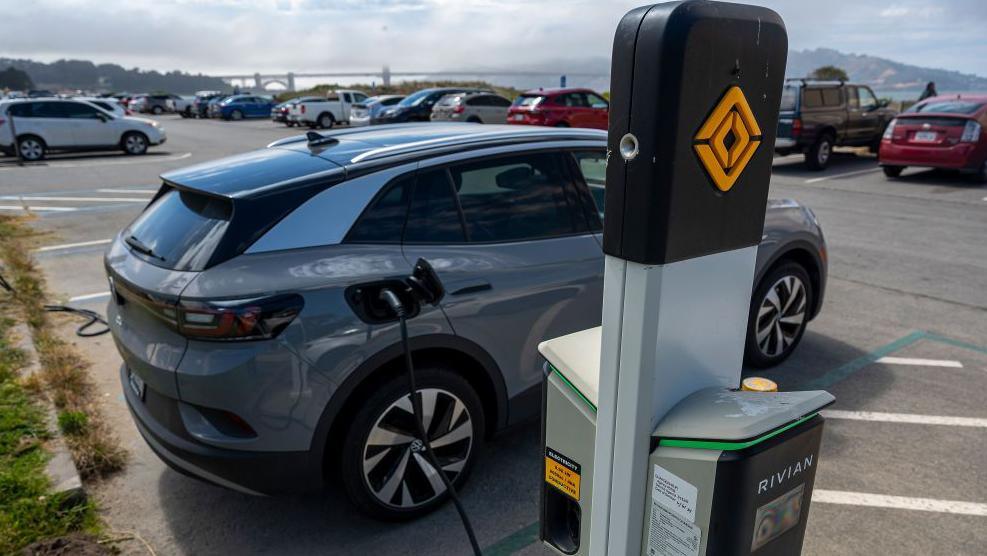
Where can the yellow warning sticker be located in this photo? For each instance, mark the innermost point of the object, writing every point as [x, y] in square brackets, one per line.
[562, 473]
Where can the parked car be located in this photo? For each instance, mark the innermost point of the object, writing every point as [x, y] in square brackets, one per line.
[417, 107]
[238, 107]
[819, 115]
[560, 108]
[279, 114]
[325, 112]
[362, 113]
[156, 104]
[109, 104]
[477, 108]
[182, 105]
[939, 132]
[45, 125]
[200, 106]
[245, 276]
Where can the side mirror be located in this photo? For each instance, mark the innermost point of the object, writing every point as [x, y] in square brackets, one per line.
[883, 103]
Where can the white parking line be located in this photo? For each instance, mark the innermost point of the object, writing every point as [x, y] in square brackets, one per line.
[56, 163]
[74, 199]
[898, 502]
[37, 209]
[89, 296]
[921, 362]
[844, 175]
[142, 191]
[72, 245]
[909, 418]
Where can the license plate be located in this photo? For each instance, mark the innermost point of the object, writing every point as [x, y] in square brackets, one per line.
[518, 117]
[925, 136]
[136, 384]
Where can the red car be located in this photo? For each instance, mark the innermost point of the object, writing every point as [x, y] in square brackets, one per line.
[938, 132]
[560, 108]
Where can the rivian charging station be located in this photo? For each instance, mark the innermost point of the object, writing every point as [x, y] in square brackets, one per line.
[650, 445]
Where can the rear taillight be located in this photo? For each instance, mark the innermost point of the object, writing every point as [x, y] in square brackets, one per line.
[254, 319]
[971, 132]
[303, 109]
[796, 127]
[889, 131]
[459, 109]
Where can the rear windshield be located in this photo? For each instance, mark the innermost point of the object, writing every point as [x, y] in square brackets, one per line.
[528, 100]
[182, 229]
[788, 96]
[449, 100]
[957, 106]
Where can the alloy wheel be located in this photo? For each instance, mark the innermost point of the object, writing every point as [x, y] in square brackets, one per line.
[825, 150]
[31, 149]
[781, 316]
[135, 144]
[395, 465]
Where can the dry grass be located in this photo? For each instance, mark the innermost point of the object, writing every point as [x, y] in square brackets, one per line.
[64, 378]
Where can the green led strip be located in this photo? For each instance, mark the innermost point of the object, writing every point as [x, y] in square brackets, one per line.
[729, 446]
[695, 444]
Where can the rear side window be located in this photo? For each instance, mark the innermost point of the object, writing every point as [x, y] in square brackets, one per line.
[788, 97]
[434, 216]
[816, 97]
[182, 229]
[383, 222]
[22, 109]
[517, 198]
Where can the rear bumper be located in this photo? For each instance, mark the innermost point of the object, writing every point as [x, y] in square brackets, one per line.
[964, 156]
[257, 473]
[784, 143]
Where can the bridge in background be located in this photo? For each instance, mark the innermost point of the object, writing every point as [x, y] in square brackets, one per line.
[287, 80]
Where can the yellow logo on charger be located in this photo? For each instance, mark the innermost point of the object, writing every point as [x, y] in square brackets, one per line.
[728, 139]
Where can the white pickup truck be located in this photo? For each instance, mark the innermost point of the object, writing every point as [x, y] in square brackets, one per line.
[327, 112]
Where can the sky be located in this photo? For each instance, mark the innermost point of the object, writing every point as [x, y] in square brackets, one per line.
[231, 37]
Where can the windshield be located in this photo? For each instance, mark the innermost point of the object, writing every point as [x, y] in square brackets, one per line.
[415, 99]
[788, 96]
[956, 106]
[528, 100]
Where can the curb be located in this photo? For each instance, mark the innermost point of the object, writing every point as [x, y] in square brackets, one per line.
[61, 470]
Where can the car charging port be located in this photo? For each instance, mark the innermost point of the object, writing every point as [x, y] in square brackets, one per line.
[365, 300]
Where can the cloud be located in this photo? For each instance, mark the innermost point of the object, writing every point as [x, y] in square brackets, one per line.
[233, 36]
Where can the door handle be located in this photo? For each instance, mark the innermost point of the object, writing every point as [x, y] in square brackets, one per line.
[474, 287]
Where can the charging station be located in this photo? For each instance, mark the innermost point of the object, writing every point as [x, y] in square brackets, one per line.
[649, 445]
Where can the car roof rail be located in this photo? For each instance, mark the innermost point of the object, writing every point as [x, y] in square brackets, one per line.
[474, 139]
[341, 132]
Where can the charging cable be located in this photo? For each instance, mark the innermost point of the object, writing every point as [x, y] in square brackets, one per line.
[93, 316]
[395, 304]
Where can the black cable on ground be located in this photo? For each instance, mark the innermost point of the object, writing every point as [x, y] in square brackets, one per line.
[93, 316]
[416, 405]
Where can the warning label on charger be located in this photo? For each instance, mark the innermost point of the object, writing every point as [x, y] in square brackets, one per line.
[562, 473]
[670, 535]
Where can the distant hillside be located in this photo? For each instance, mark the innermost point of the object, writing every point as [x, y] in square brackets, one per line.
[881, 73]
[85, 75]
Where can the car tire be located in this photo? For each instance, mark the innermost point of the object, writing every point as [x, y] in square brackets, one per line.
[820, 153]
[325, 121]
[236, 115]
[157, 110]
[474, 120]
[31, 148]
[980, 176]
[778, 315]
[134, 143]
[389, 479]
[892, 171]
[562, 124]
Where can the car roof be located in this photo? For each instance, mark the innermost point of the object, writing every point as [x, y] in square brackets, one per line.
[361, 149]
[969, 98]
[549, 91]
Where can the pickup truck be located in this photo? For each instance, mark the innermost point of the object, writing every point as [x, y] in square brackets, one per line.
[816, 116]
[327, 112]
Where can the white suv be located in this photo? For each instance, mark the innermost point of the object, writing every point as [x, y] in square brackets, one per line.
[43, 125]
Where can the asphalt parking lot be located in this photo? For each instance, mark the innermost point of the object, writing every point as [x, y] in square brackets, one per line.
[901, 342]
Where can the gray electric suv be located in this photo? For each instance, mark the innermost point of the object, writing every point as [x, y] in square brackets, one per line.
[236, 301]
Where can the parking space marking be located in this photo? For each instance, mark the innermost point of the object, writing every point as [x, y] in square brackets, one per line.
[89, 296]
[72, 245]
[56, 163]
[898, 502]
[920, 362]
[37, 209]
[843, 175]
[74, 199]
[141, 191]
[909, 418]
